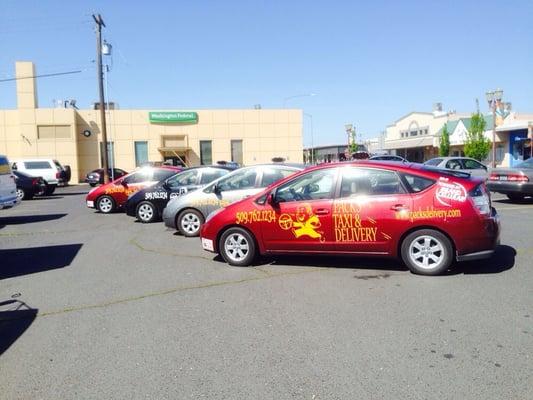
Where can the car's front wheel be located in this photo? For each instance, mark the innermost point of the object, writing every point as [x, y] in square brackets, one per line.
[237, 247]
[190, 222]
[92, 184]
[427, 252]
[146, 212]
[20, 194]
[105, 204]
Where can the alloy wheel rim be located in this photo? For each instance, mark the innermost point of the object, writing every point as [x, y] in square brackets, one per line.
[236, 247]
[105, 205]
[20, 194]
[426, 252]
[190, 223]
[145, 212]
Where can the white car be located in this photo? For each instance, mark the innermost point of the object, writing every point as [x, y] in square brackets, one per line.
[49, 169]
[8, 189]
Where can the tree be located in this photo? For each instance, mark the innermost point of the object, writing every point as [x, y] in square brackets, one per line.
[444, 145]
[477, 146]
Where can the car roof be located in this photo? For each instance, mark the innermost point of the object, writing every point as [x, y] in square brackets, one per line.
[226, 167]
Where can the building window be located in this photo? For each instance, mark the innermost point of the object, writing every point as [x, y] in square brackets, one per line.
[141, 153]
[53, 132]
[110, 154]
[236, 151]
[206, 152]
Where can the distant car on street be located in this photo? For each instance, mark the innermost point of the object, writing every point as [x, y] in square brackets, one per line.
[28, 186]
[148, 204]
[466, 164]
[112, 196]
[426, 216]
[387, 157]
[187, 213]
[8, 189]
[516, 183]
[96, 176]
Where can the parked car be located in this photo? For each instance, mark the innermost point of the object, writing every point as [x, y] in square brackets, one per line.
[96, 176]
[28, 186]
[473, 167]
[148, 204]
[187, 213]
[8, 189]
[516, 182]
[112, 196]
[428, 217]
[49, 169]
[387, 157]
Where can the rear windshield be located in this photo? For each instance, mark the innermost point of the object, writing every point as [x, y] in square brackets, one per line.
[37, 165]
[435, 161]
[4, 166]
[448, 172]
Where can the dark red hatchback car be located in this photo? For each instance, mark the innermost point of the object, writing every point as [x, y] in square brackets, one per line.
[428, 217]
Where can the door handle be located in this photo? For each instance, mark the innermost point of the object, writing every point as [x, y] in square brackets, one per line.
[399, 207]
[322, 211]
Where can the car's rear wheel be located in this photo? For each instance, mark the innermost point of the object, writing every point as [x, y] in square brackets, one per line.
[49, 190]
[427, 252]
[146, 212]
[237, 247]
[515, 196]
[105, 204]
[190, 222]
[92, 184]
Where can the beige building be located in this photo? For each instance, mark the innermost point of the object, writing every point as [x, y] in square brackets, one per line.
[193, 137]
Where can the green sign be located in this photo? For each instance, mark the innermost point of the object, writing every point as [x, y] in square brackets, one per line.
[173, 116]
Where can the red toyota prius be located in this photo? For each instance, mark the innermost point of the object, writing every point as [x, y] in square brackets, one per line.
[428, 217]
[112, 196]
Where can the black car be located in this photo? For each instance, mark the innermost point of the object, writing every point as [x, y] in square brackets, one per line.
[28, 186]
[96, 176]
[148, 204]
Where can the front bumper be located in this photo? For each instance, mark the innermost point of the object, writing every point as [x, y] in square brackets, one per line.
[9, 202]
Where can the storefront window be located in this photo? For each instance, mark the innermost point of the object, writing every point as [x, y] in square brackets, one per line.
[141, 153]
[206, 152]
[236, 151]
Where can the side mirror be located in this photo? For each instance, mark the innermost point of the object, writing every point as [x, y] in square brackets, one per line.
[124, 183]
[271, 198]
[216, 189]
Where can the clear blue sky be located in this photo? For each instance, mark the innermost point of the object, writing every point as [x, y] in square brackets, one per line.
[369, 62]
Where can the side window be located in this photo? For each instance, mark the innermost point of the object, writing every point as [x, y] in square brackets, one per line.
[361, 181]
[161, 174]
[183, 179]
[471, 164]
[244, 179]
[271, 175]
[37, 165]
[417, 183]
[454, 164]
[314, 185]
[209, 175]
[138, 177]
[14, 166]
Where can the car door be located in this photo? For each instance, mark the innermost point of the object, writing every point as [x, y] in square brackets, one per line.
[182, 182]
[302, 214]
[368, 210]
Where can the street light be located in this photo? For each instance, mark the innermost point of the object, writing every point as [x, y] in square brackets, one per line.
[296, 96]
[494, 99]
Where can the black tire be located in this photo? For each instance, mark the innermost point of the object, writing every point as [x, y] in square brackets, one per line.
[105, 204]
[28, 195]
[427, 252]
[515, 196]
[146, 212]
[189, 222]
[237, 247]
[49, 190]
[92, 184]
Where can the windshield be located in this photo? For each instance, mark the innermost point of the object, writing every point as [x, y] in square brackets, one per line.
[526, 164]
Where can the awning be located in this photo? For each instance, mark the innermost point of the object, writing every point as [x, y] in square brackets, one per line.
[408, 143]
[174, 149]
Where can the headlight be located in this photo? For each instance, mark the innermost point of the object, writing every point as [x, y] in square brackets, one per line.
[210, 216]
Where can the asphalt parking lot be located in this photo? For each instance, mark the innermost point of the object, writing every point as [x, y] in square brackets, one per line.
[101, 307]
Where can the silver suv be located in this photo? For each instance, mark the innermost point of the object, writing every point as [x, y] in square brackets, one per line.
[187, 213]
[8, 189]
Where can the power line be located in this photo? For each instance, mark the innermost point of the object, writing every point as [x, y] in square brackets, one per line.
[42, 76]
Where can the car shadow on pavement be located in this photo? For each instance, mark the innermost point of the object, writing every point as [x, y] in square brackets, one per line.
[526, 201]
[502, 260]
[30, 260]
[51, 197]
[72, 193]
[28, 219]
[385, 264]
[15, 317]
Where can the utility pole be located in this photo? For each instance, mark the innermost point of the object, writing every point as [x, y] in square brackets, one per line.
[99, 23]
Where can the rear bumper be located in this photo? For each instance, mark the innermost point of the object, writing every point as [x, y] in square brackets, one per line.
[507, 187]
[484, 245]
[9, 202]
[480, 255]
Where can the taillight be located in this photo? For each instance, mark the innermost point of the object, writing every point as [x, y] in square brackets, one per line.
[35, 181]
[509, 178]
[58, 175]
[481, 199]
